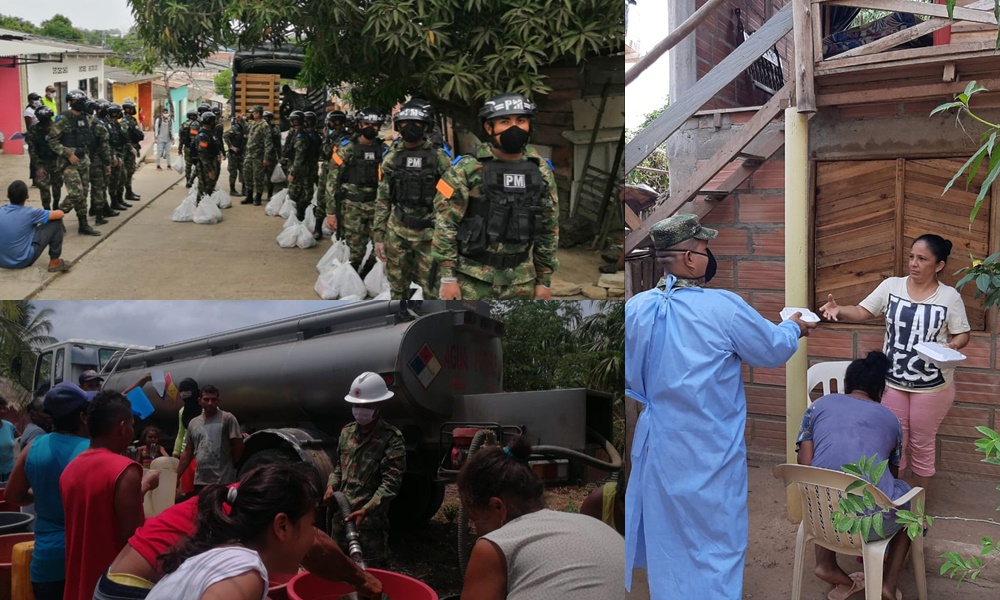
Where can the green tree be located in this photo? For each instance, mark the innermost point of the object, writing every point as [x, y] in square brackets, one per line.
[224, 83]
[537, 336]
[652, 171]
[17, 24]
[23, 331]
[453, 52]
[61, 28]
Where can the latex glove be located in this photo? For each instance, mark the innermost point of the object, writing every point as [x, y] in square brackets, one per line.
[380, 251]
[450, 291]
[542, 293]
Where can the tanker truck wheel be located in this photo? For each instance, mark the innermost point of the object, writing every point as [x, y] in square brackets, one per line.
[418, 501]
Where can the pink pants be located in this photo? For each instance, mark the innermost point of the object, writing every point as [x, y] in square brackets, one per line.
[920, 414]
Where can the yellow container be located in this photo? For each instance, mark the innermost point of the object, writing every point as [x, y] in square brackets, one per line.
[20, 571]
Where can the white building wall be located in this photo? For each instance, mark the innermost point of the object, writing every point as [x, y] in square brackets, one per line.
[66, 75]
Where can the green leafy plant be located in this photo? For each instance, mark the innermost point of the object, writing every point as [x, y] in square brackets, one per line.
[570, 507]
[450, 512]
[986, 274]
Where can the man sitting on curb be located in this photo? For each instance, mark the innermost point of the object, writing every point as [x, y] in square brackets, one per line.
[26, 231]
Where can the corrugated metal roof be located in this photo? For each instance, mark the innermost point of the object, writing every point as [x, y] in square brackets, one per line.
[19, 43]
[10, 48]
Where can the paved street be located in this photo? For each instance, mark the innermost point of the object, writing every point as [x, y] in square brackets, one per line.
[143, 254]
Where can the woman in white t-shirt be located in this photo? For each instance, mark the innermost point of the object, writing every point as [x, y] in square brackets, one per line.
[269, 527]
[917, 308]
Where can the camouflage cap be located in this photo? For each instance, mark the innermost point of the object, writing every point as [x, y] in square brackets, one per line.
[678, 228]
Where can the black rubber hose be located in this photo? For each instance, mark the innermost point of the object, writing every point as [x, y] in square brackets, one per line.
[463, 523]
[614, 465]
[353, 539]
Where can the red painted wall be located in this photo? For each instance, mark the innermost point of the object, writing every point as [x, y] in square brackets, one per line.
[145, 105]
[13, 103]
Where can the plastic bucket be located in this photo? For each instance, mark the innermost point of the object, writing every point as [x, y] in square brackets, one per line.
[6, 551]
[277, 585]
[163, 496]
[14, 522]
[306, 586]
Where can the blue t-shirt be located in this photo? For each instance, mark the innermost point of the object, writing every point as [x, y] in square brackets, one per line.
[844, 428]
[47, 458]
[7, 435]
[17, 231]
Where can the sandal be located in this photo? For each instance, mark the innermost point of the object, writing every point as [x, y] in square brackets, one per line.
[843, 592]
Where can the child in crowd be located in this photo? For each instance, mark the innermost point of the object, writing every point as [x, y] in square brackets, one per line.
[150, 447]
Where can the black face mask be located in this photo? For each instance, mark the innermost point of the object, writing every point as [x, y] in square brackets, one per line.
[513, 140]
[369, 132]
[710, 269]
[411, 132]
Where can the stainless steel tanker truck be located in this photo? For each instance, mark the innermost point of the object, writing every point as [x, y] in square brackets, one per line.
[285, 381]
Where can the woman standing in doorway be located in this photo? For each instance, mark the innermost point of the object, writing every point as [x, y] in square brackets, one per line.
[917, 308]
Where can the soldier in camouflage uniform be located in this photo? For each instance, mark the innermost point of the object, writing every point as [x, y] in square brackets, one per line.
[236, 140]
[209, 156]
[189, 131]
[315, 150]
[70, 137]
[299, 156]
[352, 182]
[333, 135]
[100, 162]
[404, 207]
[118, 141]
[256, 165]
[43, 159]
[371, 466]
[497, 213]
[275, 149]
[135, 135]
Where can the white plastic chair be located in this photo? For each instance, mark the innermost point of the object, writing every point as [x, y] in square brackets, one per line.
[824, 373]
[820, 491]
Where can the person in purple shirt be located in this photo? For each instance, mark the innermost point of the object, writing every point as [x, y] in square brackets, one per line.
[841, 428]
[25, 232]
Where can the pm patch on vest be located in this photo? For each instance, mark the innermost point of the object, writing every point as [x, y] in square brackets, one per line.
[414, 162]
[369, 155]
[514, 181]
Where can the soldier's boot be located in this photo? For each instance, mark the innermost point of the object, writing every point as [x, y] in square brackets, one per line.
[233, 192]
[56, 195]
[368, 266]
[318, 230]
[93, 211]
[85, 228]
[129, 194]
[100, 220]
[118, 204]
[256, 199]
[300, 213]
[110, 212]
[247, 198]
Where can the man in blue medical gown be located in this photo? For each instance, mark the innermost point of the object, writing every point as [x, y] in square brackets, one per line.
[686, 506]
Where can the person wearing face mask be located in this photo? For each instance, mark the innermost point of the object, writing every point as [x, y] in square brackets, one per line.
[34, 103]
[352, 184]
[687, 491]
[50, 99]
[404, 207]
[334, 134]
[497, 213]
[371, 466]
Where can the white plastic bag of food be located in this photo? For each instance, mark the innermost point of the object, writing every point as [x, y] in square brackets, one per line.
[310, 220]
[278, 175]
[287, 237]
[184, 213]
[178, 165]
[385, 295]
[419, 294]
[304, 237]
[291, 221]
[221, 199]
[347, 282]
[375, 281]
[207, 212]
[287, 208]
[324, 283]
[273, 205]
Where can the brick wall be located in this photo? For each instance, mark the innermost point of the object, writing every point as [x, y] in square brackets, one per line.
[715, 38]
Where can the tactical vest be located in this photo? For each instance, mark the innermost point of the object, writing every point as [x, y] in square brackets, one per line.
[275, 139]
[194, 128]
[95, 145]
[238, 138]
[509, 211]
[116, 137]
[414, 175]
[213, 144]
[363, 168]
[77, 133]
[315, 146]
[41, 144]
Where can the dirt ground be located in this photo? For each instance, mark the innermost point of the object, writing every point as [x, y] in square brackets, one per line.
[144, 255]
[429, 553]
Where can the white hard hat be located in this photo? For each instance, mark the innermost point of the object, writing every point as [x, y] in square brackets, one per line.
[368, 388]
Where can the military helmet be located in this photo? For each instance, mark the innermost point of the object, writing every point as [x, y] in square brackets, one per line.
[503, 105]
[44, 114]
[102, 107]
[207, 118]
[296, 115]
[334, 115]
[115, 110]
[91, 107]
[203, 108]
[77, 100]
[267, 115]
[128, 107]
[368, 116]
[310, 117]
[414, 110]
[192, 114]
[217, 110]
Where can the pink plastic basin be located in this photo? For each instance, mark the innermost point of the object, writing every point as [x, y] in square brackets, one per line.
[277, 585]
[306, 586]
